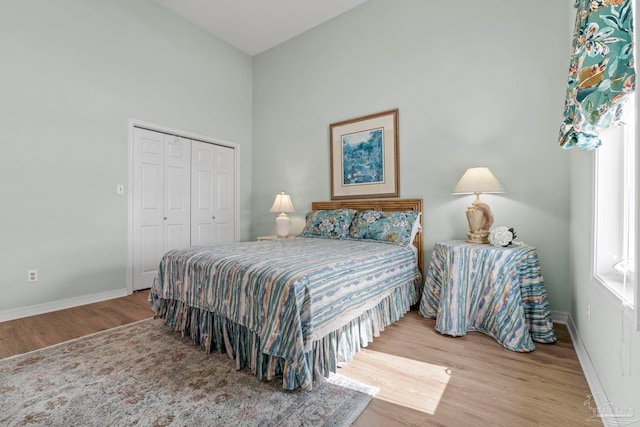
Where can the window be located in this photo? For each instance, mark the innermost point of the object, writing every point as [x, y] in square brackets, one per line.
[615, 212]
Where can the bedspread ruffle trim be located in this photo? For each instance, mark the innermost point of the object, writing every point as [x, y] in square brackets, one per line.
[213, 332]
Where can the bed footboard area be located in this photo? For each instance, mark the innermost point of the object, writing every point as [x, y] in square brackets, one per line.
[215, 333]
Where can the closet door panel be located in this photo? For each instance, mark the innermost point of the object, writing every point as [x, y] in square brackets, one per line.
[148, 205]
[224, 205]
[177, 197]
[151, 186]
[203, 221]
[151, 238]
[202, 194]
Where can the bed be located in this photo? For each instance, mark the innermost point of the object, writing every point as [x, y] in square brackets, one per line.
[297, 308]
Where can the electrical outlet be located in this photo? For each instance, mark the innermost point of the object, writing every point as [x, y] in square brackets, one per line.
[588, 310]
[32, 276]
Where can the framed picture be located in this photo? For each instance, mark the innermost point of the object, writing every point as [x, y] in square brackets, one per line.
[364, 157]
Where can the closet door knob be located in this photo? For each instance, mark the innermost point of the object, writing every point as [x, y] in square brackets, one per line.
[165, 218]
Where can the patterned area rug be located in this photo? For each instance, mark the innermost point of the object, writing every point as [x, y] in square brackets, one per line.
[144, 374]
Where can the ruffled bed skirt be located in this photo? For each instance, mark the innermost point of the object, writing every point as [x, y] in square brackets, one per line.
[214, 332]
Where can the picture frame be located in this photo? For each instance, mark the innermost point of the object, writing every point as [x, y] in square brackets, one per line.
[364, 157]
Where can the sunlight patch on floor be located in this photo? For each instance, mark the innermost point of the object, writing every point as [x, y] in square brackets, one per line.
[404, 382]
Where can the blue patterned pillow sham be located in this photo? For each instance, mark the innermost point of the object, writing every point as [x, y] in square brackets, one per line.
[395, 227]
[328, 224]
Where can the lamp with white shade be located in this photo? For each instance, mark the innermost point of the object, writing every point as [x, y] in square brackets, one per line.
[476, 181]
[283, 205]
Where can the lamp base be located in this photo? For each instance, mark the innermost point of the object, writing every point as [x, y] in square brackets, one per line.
[282, 225]
[480, 237]
[480, 219]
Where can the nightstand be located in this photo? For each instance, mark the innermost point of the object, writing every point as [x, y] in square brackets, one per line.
[495, 290]
[271, 238]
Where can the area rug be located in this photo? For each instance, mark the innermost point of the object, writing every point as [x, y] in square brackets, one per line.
[145, 374]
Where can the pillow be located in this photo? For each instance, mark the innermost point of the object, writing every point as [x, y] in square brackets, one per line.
[328, 224]
[395, 227]
[360, 224]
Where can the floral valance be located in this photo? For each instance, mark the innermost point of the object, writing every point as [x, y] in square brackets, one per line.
[601, 73]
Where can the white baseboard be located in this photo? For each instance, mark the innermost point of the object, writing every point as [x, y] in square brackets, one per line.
[597, 391]
[559, 317]
[33, 310]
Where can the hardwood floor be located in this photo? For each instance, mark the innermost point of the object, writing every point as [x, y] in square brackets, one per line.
[429, 379]
[424, 378]
[34, 332]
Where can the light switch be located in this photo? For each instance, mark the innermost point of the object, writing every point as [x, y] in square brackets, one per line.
[120, 189]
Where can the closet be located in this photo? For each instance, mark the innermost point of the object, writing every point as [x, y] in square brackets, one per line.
[183, 193]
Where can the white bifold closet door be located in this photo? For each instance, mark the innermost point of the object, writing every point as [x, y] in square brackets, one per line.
[212, 197]
[183, 195]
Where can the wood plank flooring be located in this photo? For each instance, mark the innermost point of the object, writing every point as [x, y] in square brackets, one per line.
[34, 332]
[424, 378]
[428, 379]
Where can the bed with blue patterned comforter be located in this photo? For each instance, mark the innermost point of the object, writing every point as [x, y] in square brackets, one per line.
[292, 307]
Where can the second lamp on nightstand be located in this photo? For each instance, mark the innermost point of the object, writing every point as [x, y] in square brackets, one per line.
[282, 204]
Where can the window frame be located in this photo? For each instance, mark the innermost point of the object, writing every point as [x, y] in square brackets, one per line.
[636, 99]
[605, 278]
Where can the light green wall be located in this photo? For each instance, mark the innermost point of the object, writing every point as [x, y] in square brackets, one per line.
[609, 337]
[73, 72]
[476, 83]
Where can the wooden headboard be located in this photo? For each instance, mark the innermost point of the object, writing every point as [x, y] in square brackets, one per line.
[380, 205]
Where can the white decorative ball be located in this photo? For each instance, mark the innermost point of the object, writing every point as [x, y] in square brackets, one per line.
[500, 236]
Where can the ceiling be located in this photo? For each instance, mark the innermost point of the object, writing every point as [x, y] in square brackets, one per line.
[254, 26]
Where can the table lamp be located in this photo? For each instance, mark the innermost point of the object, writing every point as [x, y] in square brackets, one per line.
[282, 204]
[477, 181]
